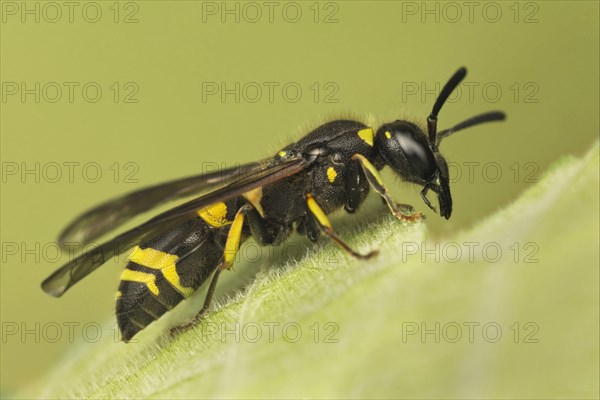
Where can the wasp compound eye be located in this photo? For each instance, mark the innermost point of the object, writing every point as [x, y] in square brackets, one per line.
[405, 148]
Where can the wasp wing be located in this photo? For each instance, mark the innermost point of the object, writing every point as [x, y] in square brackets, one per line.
[110, 215]
[71, 273]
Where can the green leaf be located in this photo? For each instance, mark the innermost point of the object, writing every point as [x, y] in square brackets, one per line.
[451, 318]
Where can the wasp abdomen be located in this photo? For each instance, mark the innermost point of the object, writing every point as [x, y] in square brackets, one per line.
[166, 270]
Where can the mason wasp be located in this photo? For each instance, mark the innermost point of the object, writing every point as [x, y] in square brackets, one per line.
[332, 167]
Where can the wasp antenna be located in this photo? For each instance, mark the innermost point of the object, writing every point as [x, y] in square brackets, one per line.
[439, 102]
[476, 120]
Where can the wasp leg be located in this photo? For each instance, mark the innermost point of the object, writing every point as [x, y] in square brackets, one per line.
[376, 183]
[354, 186]
[355, 178]
[207, 300]
[404, 208]
[232, 245]
[265, 234]
[426, 200]
[317, 222]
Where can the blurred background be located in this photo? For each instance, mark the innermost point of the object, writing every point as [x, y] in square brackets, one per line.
[101, 98]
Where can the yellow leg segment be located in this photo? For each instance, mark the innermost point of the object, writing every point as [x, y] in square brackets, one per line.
[327, 229]
[377, 184]
[233, 238]
[317, 211]
[232, 245]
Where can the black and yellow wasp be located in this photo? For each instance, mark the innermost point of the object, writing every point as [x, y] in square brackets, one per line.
[333, 166]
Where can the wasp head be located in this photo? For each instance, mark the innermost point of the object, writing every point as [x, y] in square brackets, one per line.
[414, 155]
[405, 148]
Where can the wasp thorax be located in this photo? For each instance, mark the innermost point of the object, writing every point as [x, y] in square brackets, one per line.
[405, 148]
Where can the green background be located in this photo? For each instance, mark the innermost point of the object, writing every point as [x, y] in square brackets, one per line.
[371, 54]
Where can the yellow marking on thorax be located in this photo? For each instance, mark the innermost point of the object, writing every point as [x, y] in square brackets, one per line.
[366, 135]
[162, 261]
[215, 215]
[282, 153]
[254, 197]
[136, 276]
[388, 135]
[118, 295]
[331, 174]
